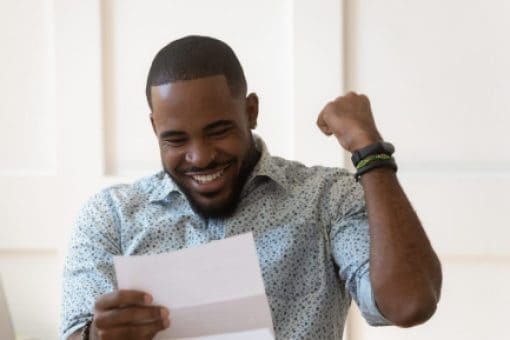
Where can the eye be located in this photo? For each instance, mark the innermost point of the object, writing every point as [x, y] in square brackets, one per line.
[174, 142]
[220, 131]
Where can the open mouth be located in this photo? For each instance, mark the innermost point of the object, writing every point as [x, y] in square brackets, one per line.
[208, 176]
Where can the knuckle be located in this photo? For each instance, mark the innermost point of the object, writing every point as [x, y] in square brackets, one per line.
[331, 105]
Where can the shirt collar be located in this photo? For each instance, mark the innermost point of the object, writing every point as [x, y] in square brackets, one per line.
[164, 185]
[266, 166]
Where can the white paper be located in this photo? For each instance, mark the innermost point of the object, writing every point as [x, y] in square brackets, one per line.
[212, 289]
[259, 334]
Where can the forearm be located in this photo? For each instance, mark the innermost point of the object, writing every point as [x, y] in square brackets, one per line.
[404, 269]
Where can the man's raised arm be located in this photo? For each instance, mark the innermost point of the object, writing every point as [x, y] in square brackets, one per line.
[405, 272]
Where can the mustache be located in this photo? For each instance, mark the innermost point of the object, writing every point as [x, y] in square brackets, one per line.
[211, 166]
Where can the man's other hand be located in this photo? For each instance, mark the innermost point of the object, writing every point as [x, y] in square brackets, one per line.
[127, 314]
[350, 119]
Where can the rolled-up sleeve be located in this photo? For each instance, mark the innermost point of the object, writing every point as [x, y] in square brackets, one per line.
[350, 248]
[88, 267]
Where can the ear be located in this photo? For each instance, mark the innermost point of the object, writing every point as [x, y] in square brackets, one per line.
[252, 109]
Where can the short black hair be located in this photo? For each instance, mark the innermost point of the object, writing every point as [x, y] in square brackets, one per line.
[193, 57]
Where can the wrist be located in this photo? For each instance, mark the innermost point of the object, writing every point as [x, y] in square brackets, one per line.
[373, 156]
[364, 141]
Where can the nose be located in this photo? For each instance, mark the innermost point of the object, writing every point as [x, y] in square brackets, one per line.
[200, 154]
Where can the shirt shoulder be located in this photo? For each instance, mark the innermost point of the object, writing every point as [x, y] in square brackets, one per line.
[333, 190]
[144, 190]
[296, 174]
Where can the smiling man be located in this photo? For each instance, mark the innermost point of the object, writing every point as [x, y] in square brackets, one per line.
[206, 144]
[323, 236]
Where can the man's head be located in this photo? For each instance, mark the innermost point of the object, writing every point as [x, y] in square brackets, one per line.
[202, 118]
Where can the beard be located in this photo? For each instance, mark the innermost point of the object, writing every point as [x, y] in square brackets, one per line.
[227, 208]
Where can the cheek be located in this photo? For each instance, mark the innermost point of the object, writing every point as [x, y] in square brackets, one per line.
[171, 159]
[237, 143]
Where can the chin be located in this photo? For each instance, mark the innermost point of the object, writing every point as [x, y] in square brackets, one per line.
[220, 207]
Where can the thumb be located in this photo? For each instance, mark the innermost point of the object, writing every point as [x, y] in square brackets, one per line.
[321, 123]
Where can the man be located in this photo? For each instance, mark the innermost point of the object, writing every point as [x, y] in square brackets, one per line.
[321, 237]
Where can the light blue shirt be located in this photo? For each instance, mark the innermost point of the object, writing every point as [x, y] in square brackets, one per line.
[310, 229]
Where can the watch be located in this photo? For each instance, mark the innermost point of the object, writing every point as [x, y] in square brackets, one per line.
[372, 149]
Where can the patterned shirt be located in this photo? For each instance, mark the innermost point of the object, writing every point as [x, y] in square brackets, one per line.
[310, 229]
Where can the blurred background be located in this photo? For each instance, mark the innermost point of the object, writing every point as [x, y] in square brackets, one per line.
[73, 119]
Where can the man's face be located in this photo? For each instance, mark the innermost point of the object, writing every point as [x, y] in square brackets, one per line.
[205, 140]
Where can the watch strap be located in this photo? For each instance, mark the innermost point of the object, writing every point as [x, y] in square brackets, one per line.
[372, 149]
[374, 164]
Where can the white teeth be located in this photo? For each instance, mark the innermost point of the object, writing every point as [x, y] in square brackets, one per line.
[207, 178]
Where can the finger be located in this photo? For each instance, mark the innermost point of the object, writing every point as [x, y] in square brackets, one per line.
[128, 315]
[324, 127]
[120, 298]
[138, 332]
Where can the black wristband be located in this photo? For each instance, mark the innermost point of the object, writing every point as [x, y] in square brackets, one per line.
[372, 149]
[390, 163]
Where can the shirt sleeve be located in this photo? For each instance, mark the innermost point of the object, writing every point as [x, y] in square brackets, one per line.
[350, 248]
[88, 267]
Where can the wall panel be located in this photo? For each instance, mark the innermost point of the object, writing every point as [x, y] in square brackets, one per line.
[32, 282]
[473, 305]
[464, 214]
[27, 108]
[438, 74]
[258, 32]
[39, 212]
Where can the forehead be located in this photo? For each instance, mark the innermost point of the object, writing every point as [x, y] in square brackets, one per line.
[201, 94]
[193, 105]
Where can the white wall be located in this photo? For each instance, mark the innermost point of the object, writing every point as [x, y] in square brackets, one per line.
[74, 119]
[438, 75]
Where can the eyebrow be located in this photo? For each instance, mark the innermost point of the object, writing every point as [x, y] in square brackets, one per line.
[171, 133]
[212, 126]
[217, 124]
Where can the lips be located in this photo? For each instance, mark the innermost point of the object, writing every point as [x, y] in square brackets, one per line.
[202, 179]
[209, 181]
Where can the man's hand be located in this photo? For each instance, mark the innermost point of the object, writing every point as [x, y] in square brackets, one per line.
[350, 119]
[127, 314]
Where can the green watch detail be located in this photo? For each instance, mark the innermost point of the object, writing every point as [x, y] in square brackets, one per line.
[372, 149]
[373, 156]
[379, 157]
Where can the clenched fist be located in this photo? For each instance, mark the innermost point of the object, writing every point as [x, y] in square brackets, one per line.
[350, 119]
